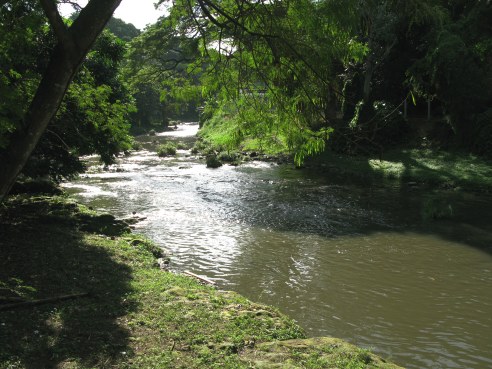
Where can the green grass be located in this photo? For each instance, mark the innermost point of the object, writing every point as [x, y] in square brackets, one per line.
[449, 169]
[222, 133]
[136, 315]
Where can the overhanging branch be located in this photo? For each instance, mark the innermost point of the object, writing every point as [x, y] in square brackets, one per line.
[57, 24]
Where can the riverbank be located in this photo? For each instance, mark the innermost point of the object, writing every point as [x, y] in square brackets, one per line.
[434, 168]
[420, 166]
[74, 297]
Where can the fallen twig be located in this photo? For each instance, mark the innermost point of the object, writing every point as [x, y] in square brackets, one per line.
[203, 279]
[42, 301]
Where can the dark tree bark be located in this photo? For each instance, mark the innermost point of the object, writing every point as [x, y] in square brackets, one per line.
[73, 45]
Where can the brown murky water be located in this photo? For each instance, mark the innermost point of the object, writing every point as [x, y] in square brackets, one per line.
[348, 260]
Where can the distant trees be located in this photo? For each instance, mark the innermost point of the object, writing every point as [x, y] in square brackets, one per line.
[161, 71]
[122, 30]
[291, 71]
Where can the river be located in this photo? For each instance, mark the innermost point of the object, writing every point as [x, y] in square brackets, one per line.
[350, 260]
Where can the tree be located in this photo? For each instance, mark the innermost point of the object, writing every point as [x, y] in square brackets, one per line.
[160, 67]
[455, 70]
[93, 116]
[271, 65]
[73, 44]
[125, 31]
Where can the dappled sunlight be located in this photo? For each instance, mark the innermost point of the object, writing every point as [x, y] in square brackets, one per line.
[388, 168]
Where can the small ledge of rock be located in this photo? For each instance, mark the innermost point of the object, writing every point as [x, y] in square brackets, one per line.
[327, 351]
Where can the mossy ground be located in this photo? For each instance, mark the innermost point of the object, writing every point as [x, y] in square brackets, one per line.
[434, 167]
[135, 315]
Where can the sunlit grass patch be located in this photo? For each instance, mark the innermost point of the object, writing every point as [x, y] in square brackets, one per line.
[451, 169]
[388, 169]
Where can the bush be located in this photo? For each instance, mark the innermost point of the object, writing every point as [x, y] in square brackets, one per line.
[482, 134]
[391, 127]
[166, 149]
[228, 157]
[213, 161]
[181, 146]
[137, 146]
[203, 147]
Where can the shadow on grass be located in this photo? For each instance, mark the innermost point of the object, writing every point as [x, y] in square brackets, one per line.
[437, 168]
[417, 190]
[42, 256]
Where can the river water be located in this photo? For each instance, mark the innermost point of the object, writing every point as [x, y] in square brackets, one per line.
[355, 261]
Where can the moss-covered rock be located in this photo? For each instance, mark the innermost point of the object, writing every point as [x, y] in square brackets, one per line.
[102, 224]
[213, 161]
[320, 352]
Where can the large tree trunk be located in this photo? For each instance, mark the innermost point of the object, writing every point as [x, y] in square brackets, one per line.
[74, 44]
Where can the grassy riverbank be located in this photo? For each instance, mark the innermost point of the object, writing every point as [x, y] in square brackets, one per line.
[123, 311]
[433, 167]
[424, 165]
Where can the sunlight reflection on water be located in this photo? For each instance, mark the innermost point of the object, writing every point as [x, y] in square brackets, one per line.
[347, 261]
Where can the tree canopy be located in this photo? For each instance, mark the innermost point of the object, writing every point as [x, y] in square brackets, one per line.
[300, 75]
[41, 55]
[302, 71]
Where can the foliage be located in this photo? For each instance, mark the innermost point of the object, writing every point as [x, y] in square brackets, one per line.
[92, 118]
[455, 68]
[229, 157]
[23, 44]
[270, 76]
[156, 67]
[253, 65]
[124, 31]
[482, 133]
[213, 161]
[297, 67]
[166, 149]
[93, 115]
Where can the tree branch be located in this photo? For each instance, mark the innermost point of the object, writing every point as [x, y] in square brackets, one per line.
[42, 301]
[74, 4]
[57, 24]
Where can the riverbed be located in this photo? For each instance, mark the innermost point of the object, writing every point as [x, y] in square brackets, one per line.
[359, 261]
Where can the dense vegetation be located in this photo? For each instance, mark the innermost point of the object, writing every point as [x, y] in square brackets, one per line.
[299, 77]
[275, 76]
[361, 77]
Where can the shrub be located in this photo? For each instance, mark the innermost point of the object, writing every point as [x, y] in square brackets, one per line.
[228, 157]
[136, 146]
[181, 146]
[166, 149]
[213, 161]
[203, 147]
